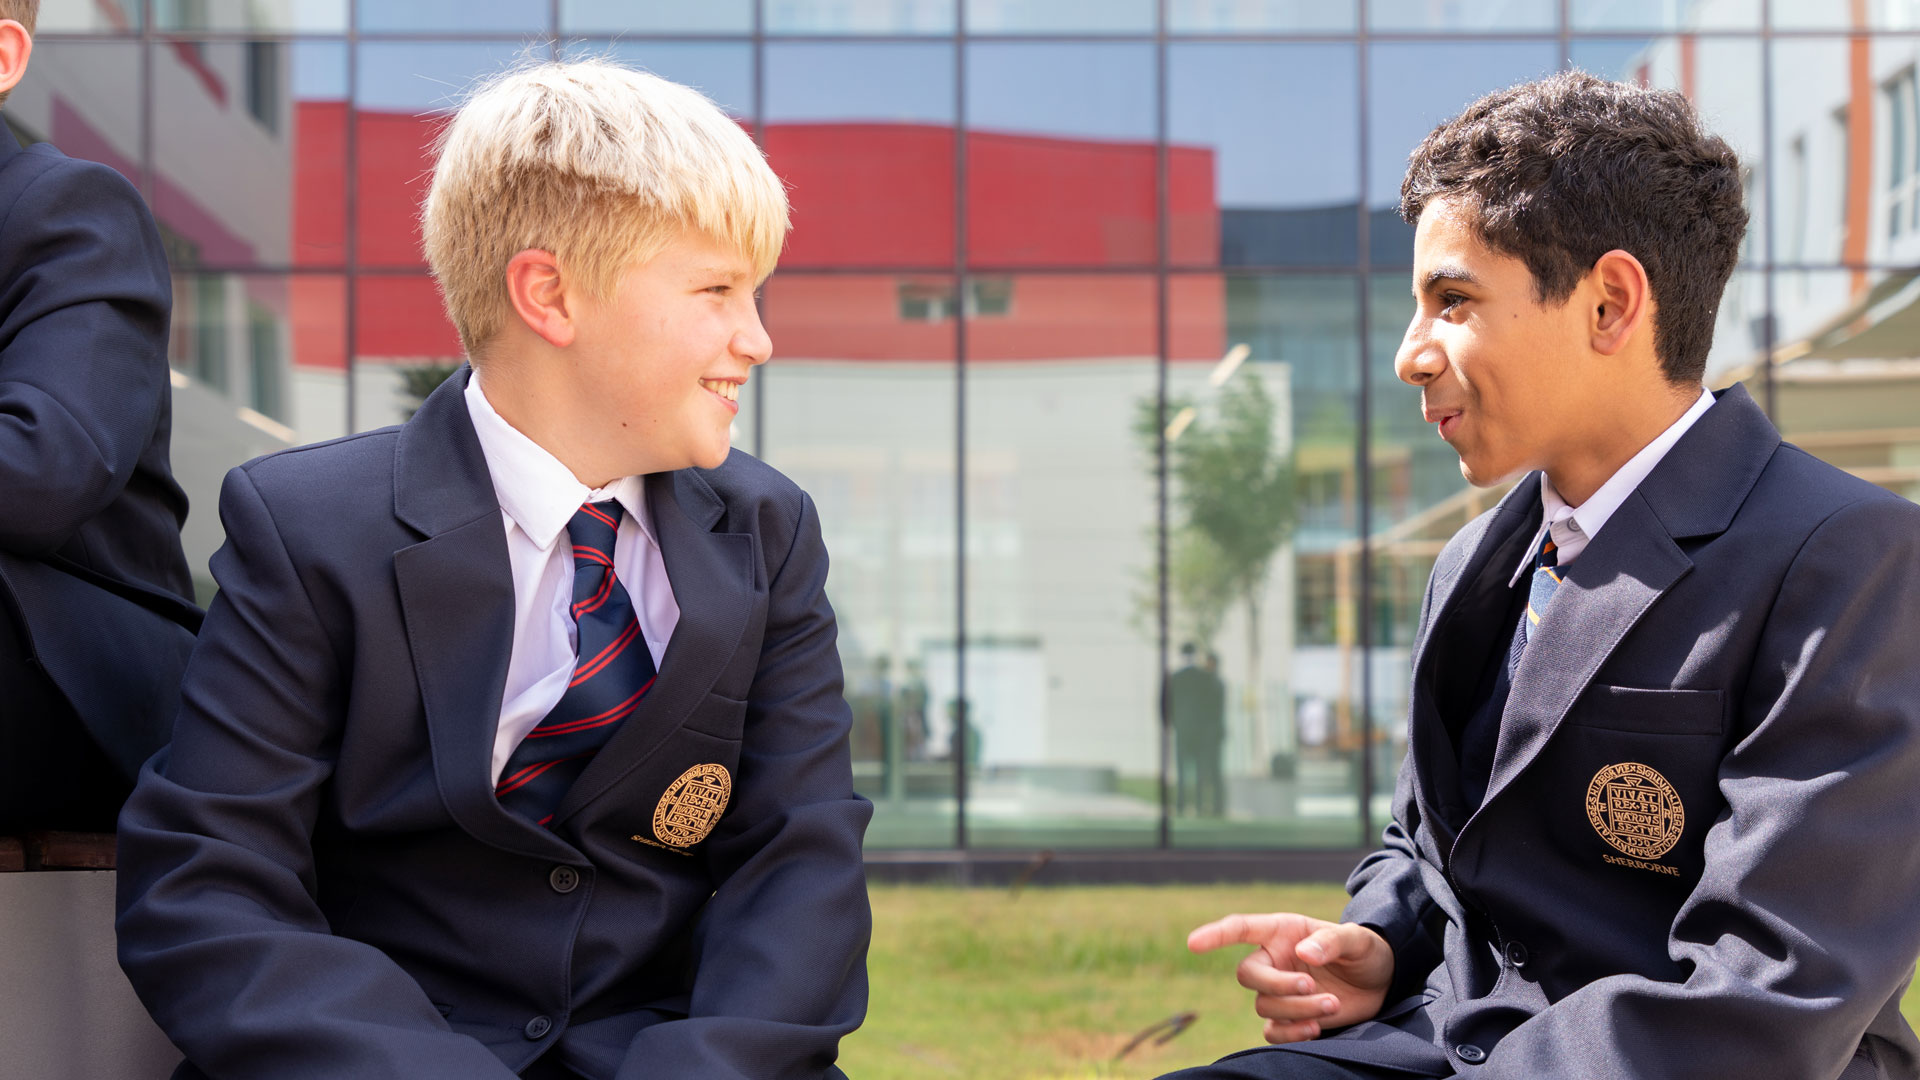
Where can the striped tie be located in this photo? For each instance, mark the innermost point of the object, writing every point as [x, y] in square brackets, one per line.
[612, 672]
[1546, 578]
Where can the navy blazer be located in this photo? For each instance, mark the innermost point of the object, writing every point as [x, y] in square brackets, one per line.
[85, 416]
[1743, 629]
[316, 879]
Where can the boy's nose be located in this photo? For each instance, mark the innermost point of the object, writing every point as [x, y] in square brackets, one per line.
[751, 341]
[1420, 359]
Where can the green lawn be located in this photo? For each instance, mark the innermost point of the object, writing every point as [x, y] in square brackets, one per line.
[1050, 984]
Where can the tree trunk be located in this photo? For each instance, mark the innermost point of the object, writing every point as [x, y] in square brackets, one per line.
[1256, 717]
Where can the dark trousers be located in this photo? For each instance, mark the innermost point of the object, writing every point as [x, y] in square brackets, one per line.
[1273, 1064]
[1197, 781]
[52, 776]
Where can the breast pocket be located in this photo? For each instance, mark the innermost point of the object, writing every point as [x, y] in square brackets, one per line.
[1651, 712]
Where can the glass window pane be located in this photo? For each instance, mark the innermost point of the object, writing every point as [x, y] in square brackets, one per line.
[1413, 86]
[273, 17]
[454, 16]
[1838, 194]
[1060, 16]
[405, 91]
[403, 347]
[259, 364]
[83, 97]
[1666, 14]
[860, 16]
[1846, 383]
[721, 70]
[860, 407]
[656, 16]
[1062, 660]
[1721, 76]
[1264, 557]
[249, 152]
[1061, 161]
[1269, 204]
[1274, 16]
[100, 17]
[863, 136]
[1506, 16]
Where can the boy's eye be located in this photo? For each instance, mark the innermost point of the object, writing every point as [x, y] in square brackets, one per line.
[1450, 300]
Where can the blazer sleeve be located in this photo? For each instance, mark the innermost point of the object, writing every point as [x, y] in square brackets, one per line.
[220, 931]
[780, 952]
[1389, 892]
[83, 350]
[1806, 919]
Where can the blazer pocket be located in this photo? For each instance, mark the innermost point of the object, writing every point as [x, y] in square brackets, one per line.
[1651, 712]
[719, 715]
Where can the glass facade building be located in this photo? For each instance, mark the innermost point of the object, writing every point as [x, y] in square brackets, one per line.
[1082, 338]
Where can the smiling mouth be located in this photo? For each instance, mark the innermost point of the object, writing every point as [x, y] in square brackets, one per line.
[725, 389]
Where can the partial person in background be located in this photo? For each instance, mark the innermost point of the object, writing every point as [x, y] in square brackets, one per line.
[1657, 815]
[95, 597]
[1197, 700]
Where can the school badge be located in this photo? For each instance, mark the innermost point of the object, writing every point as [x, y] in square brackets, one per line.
[1633, 808]
[692, 806]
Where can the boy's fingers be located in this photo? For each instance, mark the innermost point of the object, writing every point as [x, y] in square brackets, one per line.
[1258, 974]
[1296, 1008]
[1329, 944]
[1280, 1031]
[1232, 930]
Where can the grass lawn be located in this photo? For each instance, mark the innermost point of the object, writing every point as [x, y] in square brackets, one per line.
[1052, 983]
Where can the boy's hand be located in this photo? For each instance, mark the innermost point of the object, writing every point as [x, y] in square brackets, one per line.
[1307, 974]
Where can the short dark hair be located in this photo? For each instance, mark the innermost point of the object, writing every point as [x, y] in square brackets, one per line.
[1561, 171]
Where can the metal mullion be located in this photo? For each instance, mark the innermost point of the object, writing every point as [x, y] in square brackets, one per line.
[759, 120]
[149, 168]
[1768, 324]
[1163, 242]
[352, 241]
[1363, 447]
[964, 710]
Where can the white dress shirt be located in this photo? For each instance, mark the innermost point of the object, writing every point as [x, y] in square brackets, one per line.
[1573, 527]
[538, 496]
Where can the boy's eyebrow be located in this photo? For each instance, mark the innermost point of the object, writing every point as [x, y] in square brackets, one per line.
[730, 272]
[1447, 272]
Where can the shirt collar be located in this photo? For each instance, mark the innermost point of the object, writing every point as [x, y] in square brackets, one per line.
[1591, 516]
[537, 492]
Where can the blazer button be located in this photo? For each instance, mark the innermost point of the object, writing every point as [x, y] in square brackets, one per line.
[564, 879]
[1516, 954]
[538, 1027]
[1470, 1053]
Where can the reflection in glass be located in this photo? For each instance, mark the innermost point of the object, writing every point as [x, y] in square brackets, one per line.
[1846, 381]
[1060, 16]
[249, 152]
[100, 17]
[1062, 660]
[264, 16]
[860, 404]
[1264, 555]
[859, 16]
[83, 97]
[1272, 16]
[405, 91]
[722, 70]
[656, 17]
[1504, 16]
[1667, 14]
[1412, 87]
[863, 136]
[259, 364]
[1272, 200]
[1721, 76]
[403, 347]
[454, 16]
[1061, 160]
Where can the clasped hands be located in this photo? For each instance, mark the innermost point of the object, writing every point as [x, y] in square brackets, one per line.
[1307, 974]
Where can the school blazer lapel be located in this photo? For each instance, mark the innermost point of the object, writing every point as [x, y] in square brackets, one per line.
[1694, 492]
[456, 597]
[713, 580]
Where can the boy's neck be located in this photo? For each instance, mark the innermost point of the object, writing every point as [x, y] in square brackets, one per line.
[541, 415]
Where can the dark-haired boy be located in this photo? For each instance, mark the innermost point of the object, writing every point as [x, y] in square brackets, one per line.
[1656, 817]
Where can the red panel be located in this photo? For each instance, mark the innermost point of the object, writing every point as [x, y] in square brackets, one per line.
[1069, 317]
[401, 317]
[852, 317]
[320, 183]
[396, 165]
[1036, 200]
[866, 194]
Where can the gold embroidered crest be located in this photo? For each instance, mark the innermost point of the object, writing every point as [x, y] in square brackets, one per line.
[1633, 808]
[692, 806]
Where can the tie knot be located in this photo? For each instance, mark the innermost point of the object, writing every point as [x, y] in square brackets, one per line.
[594, 528]
[1547, 556]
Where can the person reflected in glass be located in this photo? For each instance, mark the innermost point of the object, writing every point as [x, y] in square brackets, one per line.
[1657, 814]
[1197, 702]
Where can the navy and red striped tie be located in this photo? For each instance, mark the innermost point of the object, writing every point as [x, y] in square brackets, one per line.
[612, 671]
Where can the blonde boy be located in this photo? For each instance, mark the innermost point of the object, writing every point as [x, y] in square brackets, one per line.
[514, 742]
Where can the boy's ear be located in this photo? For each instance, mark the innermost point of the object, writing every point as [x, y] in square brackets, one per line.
[540, 297]
[16, 46]
[1621, 301]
